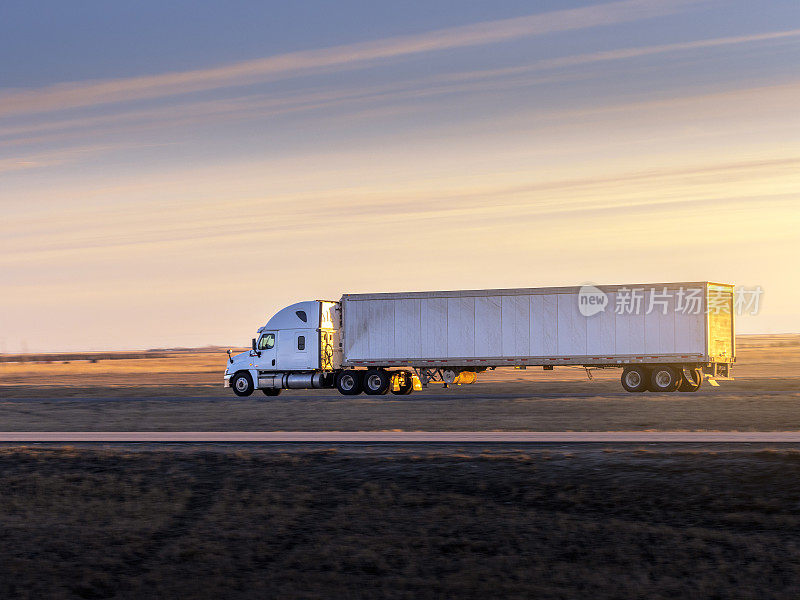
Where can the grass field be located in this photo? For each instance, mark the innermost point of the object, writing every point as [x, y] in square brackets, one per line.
[579, 521]
[182, 391]
[199, 372]
[415, 523]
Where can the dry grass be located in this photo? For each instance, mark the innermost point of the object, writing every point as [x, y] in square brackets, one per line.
[184, 392]
[173, 369]
[529, 524]
[758, 357]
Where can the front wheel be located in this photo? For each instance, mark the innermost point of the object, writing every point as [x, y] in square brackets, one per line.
[242, 384]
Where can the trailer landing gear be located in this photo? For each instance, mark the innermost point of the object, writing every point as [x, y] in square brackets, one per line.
[402, 383]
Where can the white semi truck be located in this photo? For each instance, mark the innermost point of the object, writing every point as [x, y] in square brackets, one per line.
[664, 336]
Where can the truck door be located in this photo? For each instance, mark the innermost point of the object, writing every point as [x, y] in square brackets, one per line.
[266, 345]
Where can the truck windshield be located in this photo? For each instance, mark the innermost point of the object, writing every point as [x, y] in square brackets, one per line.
[267, 341]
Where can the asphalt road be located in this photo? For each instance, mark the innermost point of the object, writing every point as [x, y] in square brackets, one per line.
[403, 436]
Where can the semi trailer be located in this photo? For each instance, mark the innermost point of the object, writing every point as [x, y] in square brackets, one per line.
[664, 337]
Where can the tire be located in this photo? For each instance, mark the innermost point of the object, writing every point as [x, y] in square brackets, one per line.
[271, 391]
[376, 382]
[242, 384]
[664, 379]
[348, 383]
[691, 385]
[634, 379]
[405, 387]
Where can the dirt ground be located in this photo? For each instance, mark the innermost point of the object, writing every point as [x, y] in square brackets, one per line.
[248, 522]
[182, 391]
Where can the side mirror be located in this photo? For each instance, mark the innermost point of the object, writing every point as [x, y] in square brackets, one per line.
[254, 344]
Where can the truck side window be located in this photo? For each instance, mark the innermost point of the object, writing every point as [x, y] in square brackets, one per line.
[267, 341]
[301, 342]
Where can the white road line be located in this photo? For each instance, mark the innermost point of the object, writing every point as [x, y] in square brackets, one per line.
[401, 436]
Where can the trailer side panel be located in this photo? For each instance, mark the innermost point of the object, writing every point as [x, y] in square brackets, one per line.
[532, 326]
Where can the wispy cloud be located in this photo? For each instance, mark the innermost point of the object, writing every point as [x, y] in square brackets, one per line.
[652, 191]
[624, 53]
[81, 94]
[581, 59]
[53, 158]
[189, 113]
[251, 106]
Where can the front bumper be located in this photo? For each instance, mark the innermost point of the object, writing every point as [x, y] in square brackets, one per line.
[226, 381]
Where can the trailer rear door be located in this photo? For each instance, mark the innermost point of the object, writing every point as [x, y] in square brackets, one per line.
[719, 303]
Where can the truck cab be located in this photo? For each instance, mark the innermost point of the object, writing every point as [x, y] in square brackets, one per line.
[299, 345]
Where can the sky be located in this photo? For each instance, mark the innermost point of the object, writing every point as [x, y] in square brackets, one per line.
[172, 174]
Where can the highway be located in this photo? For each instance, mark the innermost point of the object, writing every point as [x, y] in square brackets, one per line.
[403, 436]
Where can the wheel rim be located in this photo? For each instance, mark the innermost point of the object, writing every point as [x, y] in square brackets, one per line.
[633, 379]
[663, 379]
[347, 382]
[374, 382]
[241, 384]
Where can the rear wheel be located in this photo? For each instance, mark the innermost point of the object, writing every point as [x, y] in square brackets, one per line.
[691, 384]
[376, 382]
[242, 384]
[271, 391]
[634, 379]
[664, 379]
[405, 384]
[348, 383]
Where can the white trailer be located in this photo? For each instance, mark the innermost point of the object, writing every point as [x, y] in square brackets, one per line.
[665, 337]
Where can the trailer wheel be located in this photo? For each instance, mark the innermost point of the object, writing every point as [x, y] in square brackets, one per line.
[376, 382]
[635, 378]
[348, 383]
[406, 385]
[271, 391]
[693, 384]
[242, 384]
[664, 379]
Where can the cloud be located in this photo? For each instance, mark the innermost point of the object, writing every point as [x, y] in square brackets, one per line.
[496, 204]
[257, 105]
[81, 94]
[576, 60]
[51, 158]
[582, 59]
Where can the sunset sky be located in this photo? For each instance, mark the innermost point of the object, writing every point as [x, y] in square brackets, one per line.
[171, 174]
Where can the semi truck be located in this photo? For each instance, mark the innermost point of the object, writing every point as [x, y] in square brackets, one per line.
[664, 337]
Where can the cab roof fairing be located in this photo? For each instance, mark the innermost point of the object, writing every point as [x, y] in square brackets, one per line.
[288, 318]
